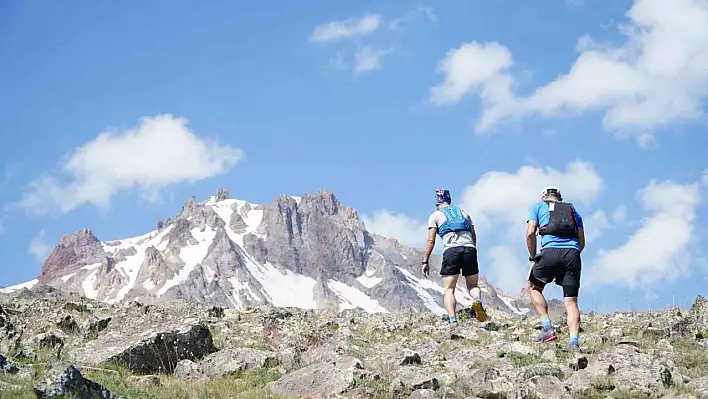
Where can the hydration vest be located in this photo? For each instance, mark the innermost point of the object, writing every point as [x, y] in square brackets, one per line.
[455, 221]
[561, 220]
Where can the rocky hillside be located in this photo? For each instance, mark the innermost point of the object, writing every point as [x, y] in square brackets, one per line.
[309, 252]
[54, 344]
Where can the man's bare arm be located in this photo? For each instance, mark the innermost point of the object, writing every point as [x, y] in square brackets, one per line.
[474, 236]
[531, 237]
[581, 239]
[430, 244]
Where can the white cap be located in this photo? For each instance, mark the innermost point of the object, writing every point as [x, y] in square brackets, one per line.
[549, 189]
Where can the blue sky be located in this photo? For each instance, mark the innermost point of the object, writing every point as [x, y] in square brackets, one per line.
[491, 100]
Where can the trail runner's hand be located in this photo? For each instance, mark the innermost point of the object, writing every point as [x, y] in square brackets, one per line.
[426, 269]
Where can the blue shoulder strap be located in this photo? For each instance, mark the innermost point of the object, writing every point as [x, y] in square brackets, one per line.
[452, 213]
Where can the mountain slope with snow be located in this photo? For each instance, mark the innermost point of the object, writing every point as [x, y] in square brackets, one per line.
[306, 252]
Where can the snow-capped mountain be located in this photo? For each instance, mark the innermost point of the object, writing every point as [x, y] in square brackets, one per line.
[306, 252]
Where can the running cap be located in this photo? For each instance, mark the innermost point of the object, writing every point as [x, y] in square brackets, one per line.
[548, 190]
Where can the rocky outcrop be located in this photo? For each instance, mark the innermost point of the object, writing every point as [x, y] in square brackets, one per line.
[237, 360]
[155, 349]
[67, 381]
[333, 378]
[73, 251]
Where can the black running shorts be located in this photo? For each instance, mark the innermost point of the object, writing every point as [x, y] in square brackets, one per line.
[560, 264]
[459, 259]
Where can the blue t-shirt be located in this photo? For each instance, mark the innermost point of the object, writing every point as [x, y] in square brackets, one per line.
[539, 212]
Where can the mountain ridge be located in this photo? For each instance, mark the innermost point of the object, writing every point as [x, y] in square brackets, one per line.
[308, 251]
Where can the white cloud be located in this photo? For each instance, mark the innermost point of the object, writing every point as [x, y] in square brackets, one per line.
[368, 59]
[620, 214]
[472, 66]
[39, 247]
[397, 23]
[656, 251]
[406, 230]
[505, 269]
[658, 76]
[594, 225]
[339, 30]
[367, 53]
[502, 197]
[161, 151]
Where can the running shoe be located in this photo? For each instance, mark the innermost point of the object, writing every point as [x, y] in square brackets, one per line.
[479, 311]
[573, 347]
[544, 336]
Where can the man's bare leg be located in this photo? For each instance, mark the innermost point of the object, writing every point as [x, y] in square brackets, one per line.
[538, 301]
[472, 287]
[573, 314]
[449, 283]
[476, 295]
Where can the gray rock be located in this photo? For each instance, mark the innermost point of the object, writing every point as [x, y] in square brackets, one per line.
[95, 325]
[547, 386]
[424, 394]
[549, 355]
[156, 349]
[699, 386]
[236, 360]
[415, 378]
[396, 388]
[407, 356]
[68, 324]
[188, 370]
[65, 380]
[7, 366]
[319, 379]
[50, 339]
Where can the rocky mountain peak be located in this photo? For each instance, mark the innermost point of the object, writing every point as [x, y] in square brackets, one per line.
[222, 194]
[323, 201]
[80, 238]
[310, 252]
[73, 251]
[190, 207]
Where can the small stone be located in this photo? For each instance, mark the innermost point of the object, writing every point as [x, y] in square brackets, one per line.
[409, 357]
[144, 380]
[578, 362]
[549, 355]
[396, 388]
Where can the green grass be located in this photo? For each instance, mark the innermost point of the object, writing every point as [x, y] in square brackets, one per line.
[246, 385]
[520, 360]
[691, 359]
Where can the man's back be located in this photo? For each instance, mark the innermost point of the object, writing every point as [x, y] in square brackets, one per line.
[452, 238]
[540, 213]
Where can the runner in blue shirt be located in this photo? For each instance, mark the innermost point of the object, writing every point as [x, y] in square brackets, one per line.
[562, 240]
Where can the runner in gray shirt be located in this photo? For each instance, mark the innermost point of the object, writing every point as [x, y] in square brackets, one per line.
[455, 228]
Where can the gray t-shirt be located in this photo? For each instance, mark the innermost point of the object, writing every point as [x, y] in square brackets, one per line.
[453, 238]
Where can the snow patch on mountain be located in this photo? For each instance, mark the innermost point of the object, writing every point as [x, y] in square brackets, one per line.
[509, 302]
[353, 298]
[191, 255]
[27, 284]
